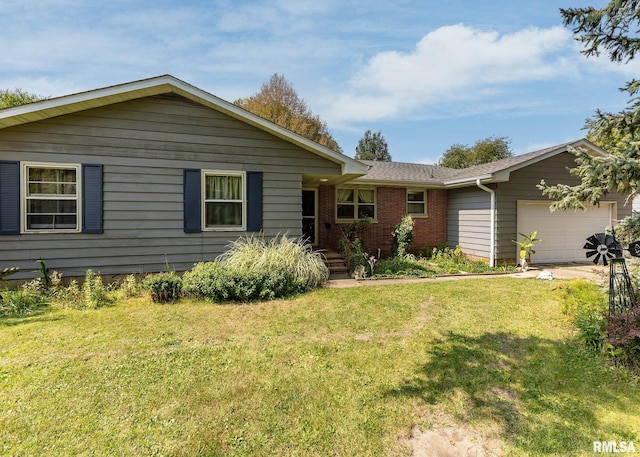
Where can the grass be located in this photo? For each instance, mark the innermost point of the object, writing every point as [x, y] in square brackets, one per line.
[332, 372]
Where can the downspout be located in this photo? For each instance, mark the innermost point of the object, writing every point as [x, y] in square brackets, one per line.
[492, 229]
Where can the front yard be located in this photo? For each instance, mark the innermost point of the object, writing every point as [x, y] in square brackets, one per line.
[351, 372]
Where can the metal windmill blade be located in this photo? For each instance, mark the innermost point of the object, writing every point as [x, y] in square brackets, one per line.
[604, 247]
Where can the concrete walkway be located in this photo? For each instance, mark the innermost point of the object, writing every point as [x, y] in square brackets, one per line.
[589, 271]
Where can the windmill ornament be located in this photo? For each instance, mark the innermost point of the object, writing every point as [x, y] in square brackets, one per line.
[604, 248]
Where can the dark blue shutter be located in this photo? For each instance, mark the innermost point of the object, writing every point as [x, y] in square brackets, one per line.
[9, 198]
[192, 201]
[254, 201]
[92, 198]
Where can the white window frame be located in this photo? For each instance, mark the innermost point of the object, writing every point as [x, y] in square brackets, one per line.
[24, 192]
[424, 193]
[224, 228]
[355, 203]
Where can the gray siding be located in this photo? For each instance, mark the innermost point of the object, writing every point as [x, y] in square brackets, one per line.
[468, 220]
[522, 186]
[469, 208]
[144, 145]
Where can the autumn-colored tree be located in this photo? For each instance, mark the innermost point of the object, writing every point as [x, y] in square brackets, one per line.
[279, 103]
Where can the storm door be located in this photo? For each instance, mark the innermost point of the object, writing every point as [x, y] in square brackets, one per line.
[309, 216]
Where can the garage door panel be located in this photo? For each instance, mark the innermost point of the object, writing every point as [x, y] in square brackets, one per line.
[563, 233]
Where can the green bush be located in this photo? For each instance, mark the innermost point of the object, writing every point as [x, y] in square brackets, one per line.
[217, 282]
[164, 287]
[402, 237]
[254, 269]
[586, 304]
[24, 301]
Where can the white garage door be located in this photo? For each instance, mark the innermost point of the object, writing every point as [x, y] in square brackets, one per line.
[563, 233]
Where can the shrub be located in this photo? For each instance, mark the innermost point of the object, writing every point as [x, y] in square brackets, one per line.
[402, 237]
[164, 287]
[586, 304]
[623, 338]
[217, 282]
[23, 301]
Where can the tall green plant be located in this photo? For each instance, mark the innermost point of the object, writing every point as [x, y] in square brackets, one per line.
[526, 247]
[402, 237]
[93, 290]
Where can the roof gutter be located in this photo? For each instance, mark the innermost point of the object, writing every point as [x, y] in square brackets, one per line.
[492, 223]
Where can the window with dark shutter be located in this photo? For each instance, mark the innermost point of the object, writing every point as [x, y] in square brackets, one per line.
[192, 203]
[254, 201]
[92, 199]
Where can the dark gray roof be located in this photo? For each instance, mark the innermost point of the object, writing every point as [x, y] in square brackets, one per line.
[440, 176]
[505, 164]
[409, 172]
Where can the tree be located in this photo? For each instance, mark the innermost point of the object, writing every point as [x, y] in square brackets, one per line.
[373, 146]
[17, 97]
[279, 103]
[483, 151]
[611, 30]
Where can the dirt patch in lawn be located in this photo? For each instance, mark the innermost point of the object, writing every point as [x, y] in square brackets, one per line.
[448, 439]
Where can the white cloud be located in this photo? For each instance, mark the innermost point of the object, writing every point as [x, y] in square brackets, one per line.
[452, 63]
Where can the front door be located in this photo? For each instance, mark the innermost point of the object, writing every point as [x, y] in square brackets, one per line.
[309, 217]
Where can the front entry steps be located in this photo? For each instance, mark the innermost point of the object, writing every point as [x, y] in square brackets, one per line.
[335, 263]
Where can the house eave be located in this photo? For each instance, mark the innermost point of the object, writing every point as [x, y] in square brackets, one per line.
[397, 183]
[69, 104]
[470, 181]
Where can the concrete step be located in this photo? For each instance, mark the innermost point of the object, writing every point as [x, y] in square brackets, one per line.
[335, 263]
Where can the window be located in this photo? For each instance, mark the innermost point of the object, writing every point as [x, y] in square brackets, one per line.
[51, 197]
[355, 203]
[417, 202]
[224, 200]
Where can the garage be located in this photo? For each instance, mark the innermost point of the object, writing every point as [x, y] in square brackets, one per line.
[563, 233]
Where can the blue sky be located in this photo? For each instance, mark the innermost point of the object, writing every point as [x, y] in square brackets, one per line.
[426, 74]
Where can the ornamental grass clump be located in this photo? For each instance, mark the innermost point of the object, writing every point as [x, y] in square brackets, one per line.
[254, 269]
[293, 257]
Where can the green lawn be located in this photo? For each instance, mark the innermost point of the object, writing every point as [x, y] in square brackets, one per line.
[344, 372]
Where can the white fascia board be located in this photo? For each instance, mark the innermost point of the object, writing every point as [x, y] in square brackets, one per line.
[397, 183]
[469, 181]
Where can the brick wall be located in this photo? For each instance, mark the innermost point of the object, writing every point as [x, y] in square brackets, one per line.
[428, 231]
